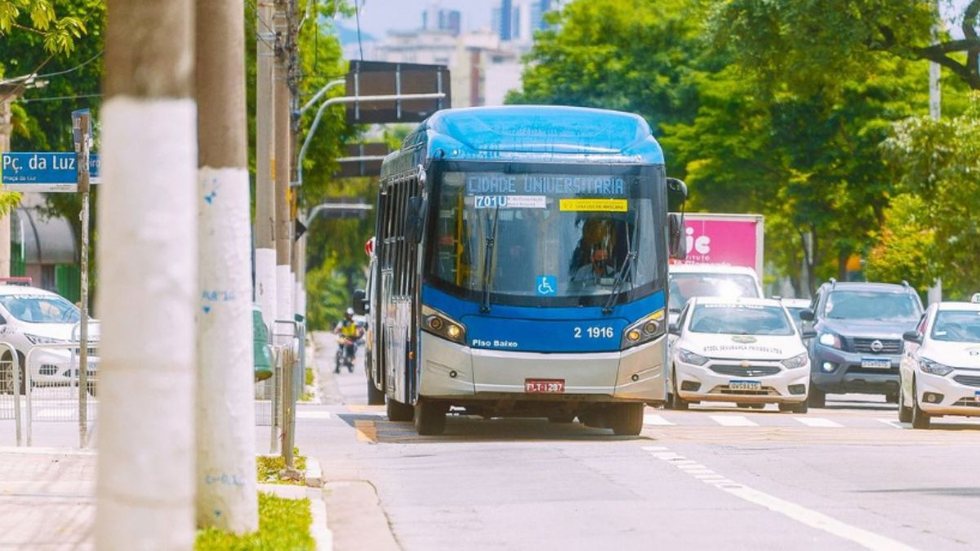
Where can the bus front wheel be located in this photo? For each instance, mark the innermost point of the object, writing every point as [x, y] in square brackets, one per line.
[398, 411]
[430, 417]
[627, 419]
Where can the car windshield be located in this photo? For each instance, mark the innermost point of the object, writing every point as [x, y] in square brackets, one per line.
[686, 285]
[40, 308]
[546, 235]
[872, 305]
[957, 326]
[740, 319]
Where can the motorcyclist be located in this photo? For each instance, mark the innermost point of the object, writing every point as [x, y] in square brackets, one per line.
[349, 333]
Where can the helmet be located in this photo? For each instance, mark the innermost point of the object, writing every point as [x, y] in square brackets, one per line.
[349, 313]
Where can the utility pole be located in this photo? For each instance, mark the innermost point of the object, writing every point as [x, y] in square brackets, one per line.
[284, 279]
[935, 293]
[226, 481]
[8, 93]
[265, 190]
[148, 257]
[82, 127]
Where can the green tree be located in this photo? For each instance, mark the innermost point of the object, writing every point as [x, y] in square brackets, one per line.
[938, 162]
[906, 245]
[804, 43]
[40, 18]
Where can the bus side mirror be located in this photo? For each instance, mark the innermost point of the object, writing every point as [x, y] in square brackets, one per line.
[677, 189]
[360, 303]
[675, 227]
[415, 219]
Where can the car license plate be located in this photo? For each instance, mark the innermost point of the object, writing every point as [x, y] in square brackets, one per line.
[745, 385]
[544, 386]
[876, 363]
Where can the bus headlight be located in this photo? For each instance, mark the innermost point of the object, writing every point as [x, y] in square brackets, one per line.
[441, 325]
[645, 330]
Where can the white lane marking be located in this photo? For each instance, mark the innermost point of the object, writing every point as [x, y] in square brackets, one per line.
[799, 513]
[733, 421]
[656, 420]
[819, 422]
[891, 423]
[312, 414]
[654, 448]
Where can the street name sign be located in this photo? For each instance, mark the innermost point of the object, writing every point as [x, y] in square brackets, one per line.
[44, 171]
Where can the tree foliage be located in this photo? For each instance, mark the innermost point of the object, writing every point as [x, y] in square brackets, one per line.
[803, 43]
[40, 18]
[937, 163]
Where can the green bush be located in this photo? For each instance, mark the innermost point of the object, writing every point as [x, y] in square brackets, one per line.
[284, 524]
[269, 468]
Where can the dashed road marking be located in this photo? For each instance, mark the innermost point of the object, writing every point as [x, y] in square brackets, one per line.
[819, 422]
[799, 513]
[656, 420]
[733, 421]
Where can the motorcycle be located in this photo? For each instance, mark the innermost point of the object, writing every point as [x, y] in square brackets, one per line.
[346, 350]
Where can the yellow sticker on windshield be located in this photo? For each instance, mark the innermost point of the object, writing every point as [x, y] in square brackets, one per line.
[593, 205]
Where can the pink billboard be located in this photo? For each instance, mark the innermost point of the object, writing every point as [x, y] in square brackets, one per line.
[724, 239]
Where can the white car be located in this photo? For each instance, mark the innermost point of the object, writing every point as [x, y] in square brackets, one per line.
[940, 367]
[742, 350]
[32, 317]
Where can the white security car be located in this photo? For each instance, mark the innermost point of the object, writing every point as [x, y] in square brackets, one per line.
[940, 367]
[32, 317]
[742, 350]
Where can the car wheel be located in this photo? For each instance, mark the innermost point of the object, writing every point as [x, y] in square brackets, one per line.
[817, 398]
[892, 397]
[676, 402]
[904, 412]
[920, 419]
[398, 411]
[429, 418]
[627, 419]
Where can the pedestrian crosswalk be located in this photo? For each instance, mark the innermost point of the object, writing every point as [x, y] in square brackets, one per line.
[770, 419]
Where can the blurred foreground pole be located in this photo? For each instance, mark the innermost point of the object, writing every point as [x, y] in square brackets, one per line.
[284, 243]
[935, 293]
[226, 479]
[265, 189]
[147, 254]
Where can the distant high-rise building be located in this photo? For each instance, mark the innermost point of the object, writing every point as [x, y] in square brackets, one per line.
[438, 19]
[516, 20]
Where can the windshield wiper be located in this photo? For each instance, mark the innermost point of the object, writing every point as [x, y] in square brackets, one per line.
[618, 282]
[487, 257]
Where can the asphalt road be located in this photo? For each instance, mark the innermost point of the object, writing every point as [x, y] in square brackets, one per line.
[847, 476]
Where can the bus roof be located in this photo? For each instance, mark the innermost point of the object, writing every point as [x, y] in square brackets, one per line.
[537, 133]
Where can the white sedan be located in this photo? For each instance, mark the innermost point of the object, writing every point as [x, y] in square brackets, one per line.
[940, 368]
[742, 350]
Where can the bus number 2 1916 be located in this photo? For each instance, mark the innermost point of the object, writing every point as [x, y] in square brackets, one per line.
[594, 332]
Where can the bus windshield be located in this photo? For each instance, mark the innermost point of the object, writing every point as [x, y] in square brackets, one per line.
[521, 236]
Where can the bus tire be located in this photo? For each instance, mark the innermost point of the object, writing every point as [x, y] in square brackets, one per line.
[398, 411]
[375, 397]
[627, 419]
[430, 418]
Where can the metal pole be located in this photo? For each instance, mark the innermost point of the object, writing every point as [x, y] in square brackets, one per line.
[935, 293]
[83, 188]
[265, 165]
[283, 227]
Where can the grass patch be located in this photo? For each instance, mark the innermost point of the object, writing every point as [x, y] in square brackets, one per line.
[269, 468]
[283, 524]
[309, 376]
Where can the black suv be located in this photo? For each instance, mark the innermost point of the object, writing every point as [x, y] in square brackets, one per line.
[859, 337]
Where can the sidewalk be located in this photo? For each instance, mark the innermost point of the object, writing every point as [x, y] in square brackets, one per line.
[47, 500]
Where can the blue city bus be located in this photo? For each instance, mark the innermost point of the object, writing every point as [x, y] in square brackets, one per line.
[520, 268]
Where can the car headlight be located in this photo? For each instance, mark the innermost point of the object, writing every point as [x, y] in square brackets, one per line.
[441, 325]
[934, 368]
[829, 339]
[38, 339]
[645, 330]
[689, 357]
[796, 362]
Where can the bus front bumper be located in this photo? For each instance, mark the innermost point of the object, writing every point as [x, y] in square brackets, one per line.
[451, 370]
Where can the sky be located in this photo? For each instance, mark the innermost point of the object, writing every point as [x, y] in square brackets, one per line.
[380, 16]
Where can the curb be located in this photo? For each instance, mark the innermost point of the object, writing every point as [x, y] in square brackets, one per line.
[314, 475]
[46, 451]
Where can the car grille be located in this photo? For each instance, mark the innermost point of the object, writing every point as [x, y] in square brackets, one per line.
[750, 371]
[858, 370]
[967, 402]
[968, 380]
[888, 346]
[725, 389]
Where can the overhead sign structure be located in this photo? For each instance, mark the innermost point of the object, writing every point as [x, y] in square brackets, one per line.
[361, 160]
[381, 78]
[44, 171]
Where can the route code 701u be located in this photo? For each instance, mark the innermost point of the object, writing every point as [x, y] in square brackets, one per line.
[594, 332]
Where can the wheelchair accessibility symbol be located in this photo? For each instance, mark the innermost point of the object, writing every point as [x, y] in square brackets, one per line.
[547, 285]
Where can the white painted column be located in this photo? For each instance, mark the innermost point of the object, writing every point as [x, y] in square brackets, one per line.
[148, 278]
